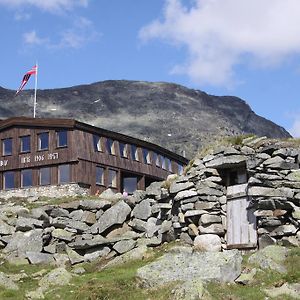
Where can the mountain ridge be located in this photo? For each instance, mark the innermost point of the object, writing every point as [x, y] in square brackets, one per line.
[168, 114]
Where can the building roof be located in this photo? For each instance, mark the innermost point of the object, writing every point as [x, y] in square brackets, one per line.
[26, 122]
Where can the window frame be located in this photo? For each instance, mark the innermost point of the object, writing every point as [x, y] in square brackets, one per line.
[59, 167]
[40, 177]
[102, 176]
[3, 142]
[40, 143]
[113, 182]
[124, 151]
[21, 143]
[134, 152]
[23, 172]
[4, 180]
[97, 143]
[58, 139]
[146, 156]
[110, 146]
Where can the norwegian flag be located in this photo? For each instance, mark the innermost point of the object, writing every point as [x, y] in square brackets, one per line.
[26, 77]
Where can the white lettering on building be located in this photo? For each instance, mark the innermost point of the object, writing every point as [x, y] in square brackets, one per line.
[38, 158]
[3, 163]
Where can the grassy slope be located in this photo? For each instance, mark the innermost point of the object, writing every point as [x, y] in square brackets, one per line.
[119, 283]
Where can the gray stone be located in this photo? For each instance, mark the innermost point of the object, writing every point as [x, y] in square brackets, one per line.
[95, 253]
[246, 277]
[270, 192]
[56, 277]
[206, 205]
[138, 253]
[265, 240]
[62, 234]
[226, 161]
[78, 225]
[39, 258]
[183, 266]
[26, 224]
[208, 219]
[142, 210]
[124, 246]
[81, 244]
[76, 214]
[185, 194]
[7, 283]
[138, 225]
[208, 242]
[74, 257]
[190, 290]
[185, 238]
[6, 229]
[165, 226]
[271, 257]
[152, 227]
[117, 214]
[88, 217]
[177, 187]
[283, 230]
[187, 206]
[213, 228]
[27, 241]
[287, 289]
[94, 204]
[209, 191]
[194, 212]
[154, 189]
[59, 212]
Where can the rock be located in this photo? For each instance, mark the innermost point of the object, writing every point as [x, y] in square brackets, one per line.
[209, 191]
[78, 270]
[94, 204]
[23, 242]
[208, 219]
[78, 225]
[185, 194]
[117, 214]
[193, 229]
[283, 230]
[152, 226]
[177, 187]
[61, 259]
[74, 257]
[39, 258]
[206, 205]
[185, 238]
[7, 283]
[76, 214]
[165, 226]
[96, 252]
[246, 277]
[124, 246]
[62, 234]
[26, 224]
[271, 257]
[213, 228]
[82, 244]
[119, 231]
[289, 289]
[265, 240]
[135, 254]
[142, 210]
[59, 212]
[183, 266]
[260, 191]
[138, 225]
[208, 242]
[187, 206]
[153, 190]
[190, 290]
[194, 212]
[225, 161]
[88, 217]
[56, 277]
[6, 229]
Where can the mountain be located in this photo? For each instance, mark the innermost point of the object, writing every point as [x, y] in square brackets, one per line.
[173, 116]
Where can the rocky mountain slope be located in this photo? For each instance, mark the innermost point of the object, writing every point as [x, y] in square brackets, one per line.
[167, 114]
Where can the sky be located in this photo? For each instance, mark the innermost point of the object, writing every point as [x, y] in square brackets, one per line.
[245, 48]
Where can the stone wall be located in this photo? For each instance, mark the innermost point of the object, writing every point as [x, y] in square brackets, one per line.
[191, 207]
[50, 191]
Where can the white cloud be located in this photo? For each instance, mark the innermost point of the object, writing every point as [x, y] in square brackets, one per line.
[46, 5]
[21, 16]
[295, 130]
[221, 34]
[31, 38]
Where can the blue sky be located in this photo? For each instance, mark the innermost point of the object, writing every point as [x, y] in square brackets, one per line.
[249, 48]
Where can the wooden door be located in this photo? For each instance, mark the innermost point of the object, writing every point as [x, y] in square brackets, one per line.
[241, 221]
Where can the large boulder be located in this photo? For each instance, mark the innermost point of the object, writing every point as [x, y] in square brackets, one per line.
[185, 266]
[115, 215]
[142, 210]
[208, 242]
[7, 283]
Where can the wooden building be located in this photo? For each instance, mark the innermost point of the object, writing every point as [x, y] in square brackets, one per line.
[40, 152]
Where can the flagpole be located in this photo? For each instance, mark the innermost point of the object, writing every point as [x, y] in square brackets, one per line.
[35, 89]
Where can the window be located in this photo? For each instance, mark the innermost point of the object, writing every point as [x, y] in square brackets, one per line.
[155, 159]
[180, 169]
[163, 162]
[123, 150]
[146, 156]
[25, 143]
[110, 146]
[63, 173]
[62, 138]
[112, 178]
[134, 153]
[168, 164]
[7, 146]
[130, 184]
[97, 143]
[44, 176]
[26, 178]
[8, 180]
[43, 140]
[99, 175]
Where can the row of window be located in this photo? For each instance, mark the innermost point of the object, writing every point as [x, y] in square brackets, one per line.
[44, 177]
[127, 150]
[43, 142]
[112, 177]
